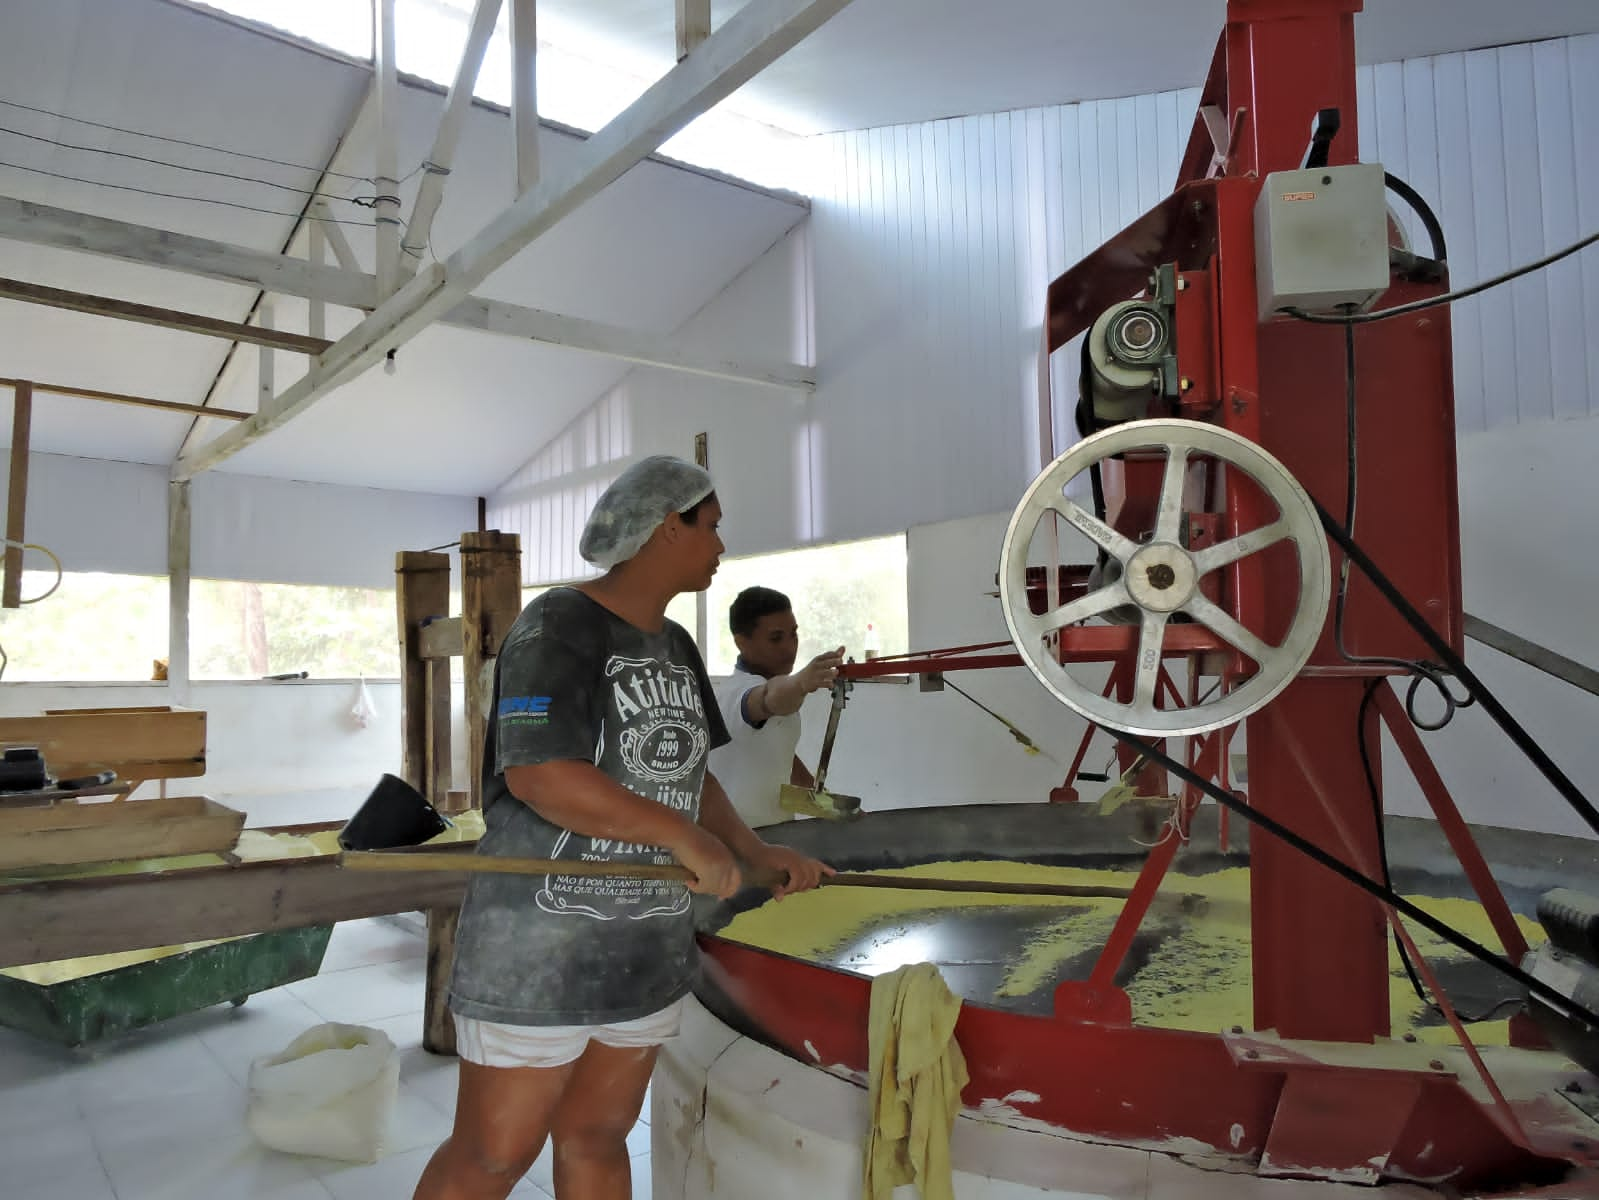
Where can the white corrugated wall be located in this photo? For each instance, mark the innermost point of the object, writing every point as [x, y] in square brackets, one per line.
[931, 247]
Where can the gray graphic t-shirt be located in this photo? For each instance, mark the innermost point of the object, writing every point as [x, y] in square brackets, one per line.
[574, 681]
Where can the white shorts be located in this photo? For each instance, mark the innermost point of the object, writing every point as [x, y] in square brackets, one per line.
[491, 1044]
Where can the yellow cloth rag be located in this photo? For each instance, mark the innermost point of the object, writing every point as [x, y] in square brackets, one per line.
[917, 1073]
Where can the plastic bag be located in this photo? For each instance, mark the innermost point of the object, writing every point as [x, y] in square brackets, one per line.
[330, 1093]
[363, 712]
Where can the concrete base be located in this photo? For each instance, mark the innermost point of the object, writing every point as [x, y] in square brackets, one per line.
[731, 1119]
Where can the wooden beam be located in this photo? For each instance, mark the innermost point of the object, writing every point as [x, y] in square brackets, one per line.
[630, 345]
[45, 225]
[386, 206]
[134, 742]
[441, 638]
[167, 318]
[316, 312]
[17, 493]
[179, 540]
[342, 250]
[191, 436]
[457, 103]
[61, 389]
[42, 922]
[525, 93]
[364, 345]
[264, 385]
[752, 38]
[693, 25]
[351, 287]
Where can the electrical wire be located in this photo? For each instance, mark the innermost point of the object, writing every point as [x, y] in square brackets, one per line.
[1382, 859]
[125, 187]
[45, 112]
[1416, 669]
[1400, 310]
[1423, 210]
[1456, 666]
[161, 162]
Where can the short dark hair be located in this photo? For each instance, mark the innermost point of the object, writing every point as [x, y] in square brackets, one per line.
[753, 603]
[691, 515]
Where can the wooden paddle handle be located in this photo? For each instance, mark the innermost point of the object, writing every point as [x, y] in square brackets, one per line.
[383, 860]
[992, 888]
[387, 860]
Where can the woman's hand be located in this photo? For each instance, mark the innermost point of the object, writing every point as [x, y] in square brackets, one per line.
[714, 868]
[795, 872]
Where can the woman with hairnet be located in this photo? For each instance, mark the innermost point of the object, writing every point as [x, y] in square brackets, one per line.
[565, 986]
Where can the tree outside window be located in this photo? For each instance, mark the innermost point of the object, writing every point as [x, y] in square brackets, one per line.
[244, 630]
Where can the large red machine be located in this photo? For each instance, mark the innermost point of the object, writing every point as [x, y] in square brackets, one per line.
[1216, 435]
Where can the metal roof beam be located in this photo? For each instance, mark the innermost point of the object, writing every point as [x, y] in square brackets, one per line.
[43, 225]
[750, 40]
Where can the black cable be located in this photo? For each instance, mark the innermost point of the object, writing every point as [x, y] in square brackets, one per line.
[1429, 219]
[1400, 310]
[1456, 666]
[1342, 869]
[1387, 877]
[1381, 829]
[1417, 669]
[160, 162]
[157, 137]
[124, 187]
[1084, 419]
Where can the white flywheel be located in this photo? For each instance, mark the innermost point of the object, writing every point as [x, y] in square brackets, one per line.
[1160, 578]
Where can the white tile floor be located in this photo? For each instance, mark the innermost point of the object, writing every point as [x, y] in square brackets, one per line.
[159, 1114]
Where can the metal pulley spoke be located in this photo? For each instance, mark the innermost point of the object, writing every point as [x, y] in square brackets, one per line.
[1119, 547]
[1155, 579]
[1094, 604]
[1169, 516]
[1220, 622]
[1151, 639]
[1226, 553]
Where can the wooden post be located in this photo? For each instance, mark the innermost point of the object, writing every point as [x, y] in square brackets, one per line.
[491, 599]
[17, 492]
[422, 591]
[179, 573]
[438, 1030]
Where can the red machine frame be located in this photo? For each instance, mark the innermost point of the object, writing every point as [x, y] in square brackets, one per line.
[1319, 944]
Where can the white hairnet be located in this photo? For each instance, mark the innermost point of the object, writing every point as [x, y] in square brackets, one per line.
[636, 503]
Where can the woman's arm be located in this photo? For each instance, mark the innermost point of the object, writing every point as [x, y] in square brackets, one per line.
[718, 815]
[579, 796]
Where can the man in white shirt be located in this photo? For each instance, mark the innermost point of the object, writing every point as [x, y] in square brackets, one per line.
[760, 703]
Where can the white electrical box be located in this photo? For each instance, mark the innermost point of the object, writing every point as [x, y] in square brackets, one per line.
[1321, 239]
